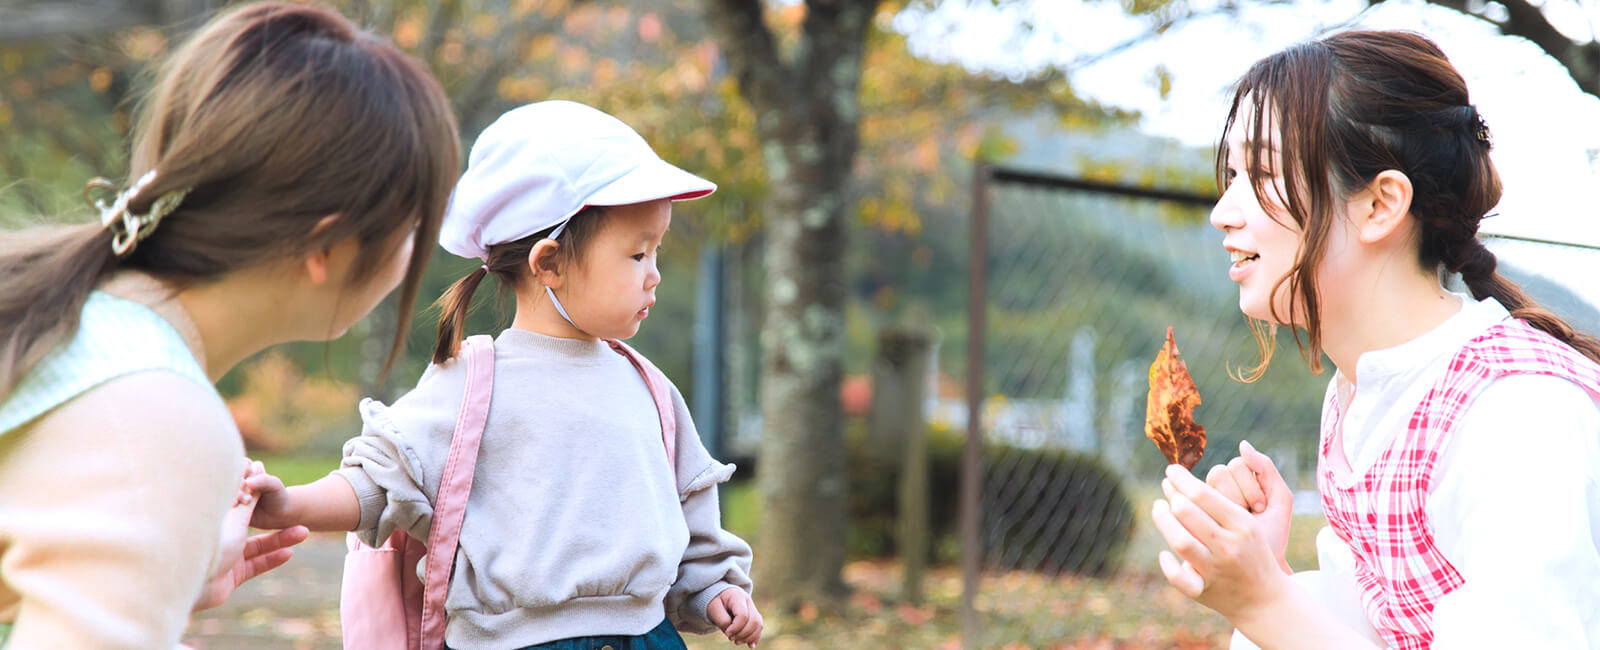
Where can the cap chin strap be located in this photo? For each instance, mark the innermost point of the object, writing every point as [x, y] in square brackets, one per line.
[547, 291]
[559, 309]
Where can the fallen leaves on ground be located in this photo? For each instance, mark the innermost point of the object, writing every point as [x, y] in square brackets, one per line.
[296, 608]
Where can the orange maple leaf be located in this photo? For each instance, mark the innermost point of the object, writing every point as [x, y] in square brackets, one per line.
[1169, 410]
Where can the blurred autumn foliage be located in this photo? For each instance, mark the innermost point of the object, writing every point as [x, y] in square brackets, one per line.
[66, 104]
[279, 409]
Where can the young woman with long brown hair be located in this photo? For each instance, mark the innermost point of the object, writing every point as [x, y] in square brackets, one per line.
[287, 172]
[1459, 464]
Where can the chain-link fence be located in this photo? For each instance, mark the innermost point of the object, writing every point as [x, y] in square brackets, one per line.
[1080, 283]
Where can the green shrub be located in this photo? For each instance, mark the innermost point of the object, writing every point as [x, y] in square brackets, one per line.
[874, 492]
[1044, 510]
[1054, 512]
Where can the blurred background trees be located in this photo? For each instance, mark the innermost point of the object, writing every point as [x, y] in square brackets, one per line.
[844, 164]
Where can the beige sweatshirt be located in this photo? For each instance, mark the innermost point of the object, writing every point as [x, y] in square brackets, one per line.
[111, 507]
[576, 526]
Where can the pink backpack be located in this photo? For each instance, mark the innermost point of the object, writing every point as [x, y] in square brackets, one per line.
[382, 604]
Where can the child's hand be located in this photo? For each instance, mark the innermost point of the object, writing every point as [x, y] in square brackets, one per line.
[735, 614]
[272, 499]
[1219, 552]
[1252, 481]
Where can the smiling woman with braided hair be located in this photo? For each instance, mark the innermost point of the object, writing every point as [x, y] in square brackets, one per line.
[1459, 463]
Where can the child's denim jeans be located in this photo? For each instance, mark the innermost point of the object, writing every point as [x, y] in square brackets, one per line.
[663, 637]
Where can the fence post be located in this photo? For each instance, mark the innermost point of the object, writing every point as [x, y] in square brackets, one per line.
[978, 262]
[898, 431]
[709, 334]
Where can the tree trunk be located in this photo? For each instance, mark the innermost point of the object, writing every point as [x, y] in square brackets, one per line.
[802, 469]
[807, 110]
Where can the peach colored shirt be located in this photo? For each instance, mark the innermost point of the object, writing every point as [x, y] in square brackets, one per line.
[111, 505]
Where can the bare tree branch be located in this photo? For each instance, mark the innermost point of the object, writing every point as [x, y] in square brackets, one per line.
[1159, 28]
[833, 40]
[1524, 19]
[27, 20]
[475, 104]
[378, 17]
[443, 16]
[754, 61]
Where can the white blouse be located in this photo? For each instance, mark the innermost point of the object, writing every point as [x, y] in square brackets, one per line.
[1516, 500]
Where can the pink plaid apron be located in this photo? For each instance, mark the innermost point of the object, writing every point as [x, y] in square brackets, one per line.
[1382, 514]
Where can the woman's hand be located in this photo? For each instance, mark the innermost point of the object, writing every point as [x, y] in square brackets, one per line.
[1252, 481]
[239, 559]
[1221, 554]
[259, 555]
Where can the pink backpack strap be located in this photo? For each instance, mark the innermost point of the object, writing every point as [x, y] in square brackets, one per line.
[450, 505]
[659, 389]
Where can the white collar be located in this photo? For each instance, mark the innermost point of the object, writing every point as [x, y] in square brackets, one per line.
[1474, 317]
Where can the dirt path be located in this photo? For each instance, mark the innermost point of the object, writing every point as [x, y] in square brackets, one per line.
[293, 608]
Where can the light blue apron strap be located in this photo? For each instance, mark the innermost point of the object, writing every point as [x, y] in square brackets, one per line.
[115, 337]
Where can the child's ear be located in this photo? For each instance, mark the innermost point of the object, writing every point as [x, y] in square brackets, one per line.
[1386, 206]
[317, 267]
[542, 262]
[317, 261]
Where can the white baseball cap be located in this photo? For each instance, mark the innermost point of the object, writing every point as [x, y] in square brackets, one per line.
[538, 165]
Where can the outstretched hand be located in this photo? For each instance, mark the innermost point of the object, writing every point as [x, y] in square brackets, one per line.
[262, 553]
[272, 500]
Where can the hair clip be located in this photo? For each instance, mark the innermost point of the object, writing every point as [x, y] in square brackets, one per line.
[1481, 129]
[127, 227]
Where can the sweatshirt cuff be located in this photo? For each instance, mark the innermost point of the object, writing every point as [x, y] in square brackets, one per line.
[714, 473]
[371, 497]
[702, 602]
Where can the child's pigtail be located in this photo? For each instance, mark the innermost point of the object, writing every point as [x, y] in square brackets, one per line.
[454, 306]
[508, 261]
